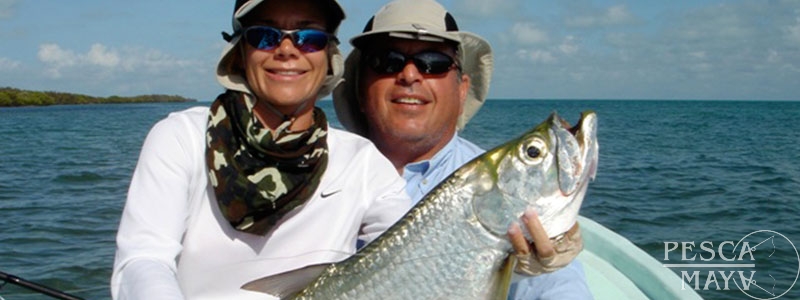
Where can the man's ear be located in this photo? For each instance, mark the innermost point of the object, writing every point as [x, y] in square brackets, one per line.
[463, 89]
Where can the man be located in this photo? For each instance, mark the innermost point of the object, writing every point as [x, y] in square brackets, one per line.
[412, 81]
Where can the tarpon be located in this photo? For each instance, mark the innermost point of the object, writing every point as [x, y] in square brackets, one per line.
[453, 243]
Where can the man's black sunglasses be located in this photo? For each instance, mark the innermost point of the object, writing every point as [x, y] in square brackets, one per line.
[427, 62]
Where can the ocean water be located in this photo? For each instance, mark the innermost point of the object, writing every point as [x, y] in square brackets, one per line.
[670, 173]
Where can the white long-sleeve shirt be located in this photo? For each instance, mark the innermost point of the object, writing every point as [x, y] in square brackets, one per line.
[173, 242]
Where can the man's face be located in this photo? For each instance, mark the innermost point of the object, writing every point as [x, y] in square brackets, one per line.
[407, 109]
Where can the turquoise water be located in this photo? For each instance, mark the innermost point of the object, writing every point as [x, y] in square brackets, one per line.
[670, 171]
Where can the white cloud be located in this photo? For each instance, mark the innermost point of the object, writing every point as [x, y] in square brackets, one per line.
[98, 55]
[536, 55]
[793, 32]
[153, 61]
[8, 64]
[618, 15]
[56, 58]
[100, 58]
[727, 26]
[615, 15]
[528, 34]
[7, 8]
[52, 53]
[568, 46]
[483, 8]
[698, 54]
[773, 56]
[719, 50]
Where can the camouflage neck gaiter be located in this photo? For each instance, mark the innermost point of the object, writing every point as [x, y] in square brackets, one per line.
[258, 177]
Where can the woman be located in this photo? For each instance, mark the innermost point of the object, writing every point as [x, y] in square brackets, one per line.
[257, 184]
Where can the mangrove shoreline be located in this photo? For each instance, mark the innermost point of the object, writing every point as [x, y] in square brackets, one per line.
[10, 97]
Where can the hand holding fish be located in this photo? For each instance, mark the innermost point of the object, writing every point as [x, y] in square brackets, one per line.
[541, 255]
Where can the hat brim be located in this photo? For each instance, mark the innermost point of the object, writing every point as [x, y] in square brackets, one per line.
[406, 31]
[476, 62]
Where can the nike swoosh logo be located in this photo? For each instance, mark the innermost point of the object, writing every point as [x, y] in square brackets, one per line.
[326, 195]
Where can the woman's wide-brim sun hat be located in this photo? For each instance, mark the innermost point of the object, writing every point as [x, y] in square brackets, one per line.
[418, 20]
[231, 78]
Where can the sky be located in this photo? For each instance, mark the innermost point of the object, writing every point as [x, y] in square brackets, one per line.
[543, 49]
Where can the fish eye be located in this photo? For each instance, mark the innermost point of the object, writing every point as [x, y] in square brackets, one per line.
[533, 151]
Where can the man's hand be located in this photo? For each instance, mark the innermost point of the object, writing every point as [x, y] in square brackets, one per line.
[543, 255]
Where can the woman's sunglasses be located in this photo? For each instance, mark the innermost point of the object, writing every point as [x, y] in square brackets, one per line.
[427, 62]
[306, 40]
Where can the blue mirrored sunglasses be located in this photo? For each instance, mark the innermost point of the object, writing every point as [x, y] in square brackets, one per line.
[306, 40]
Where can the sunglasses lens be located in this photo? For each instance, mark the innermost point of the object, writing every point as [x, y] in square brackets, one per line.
[433, 62]
[391, 62]
[262, 37]
[267, 38]
[387, 62]
[311, 40]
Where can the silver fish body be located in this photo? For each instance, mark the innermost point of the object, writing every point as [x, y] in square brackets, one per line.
[453, 243]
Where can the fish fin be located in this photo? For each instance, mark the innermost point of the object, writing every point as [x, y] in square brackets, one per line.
[503, 280]
[285, 285]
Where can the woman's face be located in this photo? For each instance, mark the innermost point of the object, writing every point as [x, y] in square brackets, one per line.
[284, 76]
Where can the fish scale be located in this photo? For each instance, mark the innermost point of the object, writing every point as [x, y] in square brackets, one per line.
[413, 244]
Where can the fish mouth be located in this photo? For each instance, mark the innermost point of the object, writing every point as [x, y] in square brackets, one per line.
[576, 129]
[583, 131]
[576, 148]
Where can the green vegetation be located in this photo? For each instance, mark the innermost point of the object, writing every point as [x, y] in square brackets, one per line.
[16, 97]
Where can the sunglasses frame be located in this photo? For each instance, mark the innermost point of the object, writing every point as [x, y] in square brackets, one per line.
[294, 35]
[416, 58]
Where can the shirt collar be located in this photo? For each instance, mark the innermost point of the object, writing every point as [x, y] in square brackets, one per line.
[423, 166]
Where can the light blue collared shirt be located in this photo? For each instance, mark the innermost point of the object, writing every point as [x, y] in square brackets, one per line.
[421, 177]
